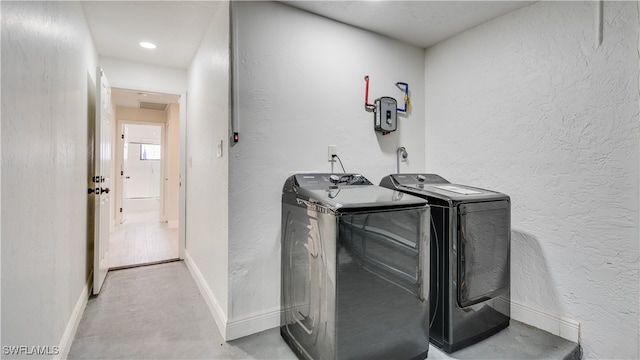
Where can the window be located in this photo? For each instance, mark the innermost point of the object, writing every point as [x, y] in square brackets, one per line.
[149, 152]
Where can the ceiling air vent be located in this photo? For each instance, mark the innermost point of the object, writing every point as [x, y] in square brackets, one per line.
[153, 106]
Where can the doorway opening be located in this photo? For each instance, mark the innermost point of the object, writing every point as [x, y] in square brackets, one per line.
[141, 167]
[146, 173]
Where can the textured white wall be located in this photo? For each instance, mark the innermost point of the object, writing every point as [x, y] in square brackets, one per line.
[528, 105]
[207, 174]
[301, 88]
[48, 64]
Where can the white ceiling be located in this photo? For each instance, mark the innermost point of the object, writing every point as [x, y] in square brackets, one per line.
[177, 27]
[420, 23]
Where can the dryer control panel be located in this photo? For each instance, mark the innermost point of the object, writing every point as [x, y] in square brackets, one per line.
[415, 179]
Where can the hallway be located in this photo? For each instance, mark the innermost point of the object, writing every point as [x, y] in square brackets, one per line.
[157, 312]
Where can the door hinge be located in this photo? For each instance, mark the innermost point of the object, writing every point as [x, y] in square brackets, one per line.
[120, 209]
[122, 136]
[121, 172]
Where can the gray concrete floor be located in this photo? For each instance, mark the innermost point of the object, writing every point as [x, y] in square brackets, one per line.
[518, 341]
[157, 312]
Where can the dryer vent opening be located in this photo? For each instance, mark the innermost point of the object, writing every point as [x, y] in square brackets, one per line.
[153, 106]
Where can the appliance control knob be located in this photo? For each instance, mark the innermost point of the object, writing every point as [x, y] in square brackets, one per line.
[421, 178]
[334, 178]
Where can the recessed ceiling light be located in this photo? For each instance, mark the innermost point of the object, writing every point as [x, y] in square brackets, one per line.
[147, 45]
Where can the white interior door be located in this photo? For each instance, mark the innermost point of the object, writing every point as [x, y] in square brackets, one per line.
[124, 174]
[102, 153]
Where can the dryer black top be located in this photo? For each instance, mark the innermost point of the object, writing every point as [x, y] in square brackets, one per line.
[344, 193]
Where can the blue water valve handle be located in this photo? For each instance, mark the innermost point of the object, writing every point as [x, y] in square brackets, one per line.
[406, 96]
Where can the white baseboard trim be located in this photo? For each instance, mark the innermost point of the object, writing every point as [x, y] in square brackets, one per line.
[214, 306]
[557, 325]
[72, 326]
[173, 224]
[253, 323]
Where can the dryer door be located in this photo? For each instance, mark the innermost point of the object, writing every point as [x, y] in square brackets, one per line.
[484, 245]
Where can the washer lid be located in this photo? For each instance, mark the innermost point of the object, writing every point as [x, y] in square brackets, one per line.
[431, 185]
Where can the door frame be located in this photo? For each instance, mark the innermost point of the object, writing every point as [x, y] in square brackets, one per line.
[182, 179]
[119, 192]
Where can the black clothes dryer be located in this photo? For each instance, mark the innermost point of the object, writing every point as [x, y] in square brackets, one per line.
[470, 258]
[355, 269]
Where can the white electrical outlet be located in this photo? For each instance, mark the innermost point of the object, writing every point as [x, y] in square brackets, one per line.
[333, 150]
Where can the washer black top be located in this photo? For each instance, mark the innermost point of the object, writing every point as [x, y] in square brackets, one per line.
[432, 186]
[344, 193]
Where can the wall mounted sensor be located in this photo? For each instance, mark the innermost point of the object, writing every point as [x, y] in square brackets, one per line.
[386, 114]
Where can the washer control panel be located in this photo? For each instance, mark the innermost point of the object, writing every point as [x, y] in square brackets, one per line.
[325, 180]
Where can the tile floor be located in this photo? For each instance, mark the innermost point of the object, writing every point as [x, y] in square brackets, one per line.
[142, 238]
